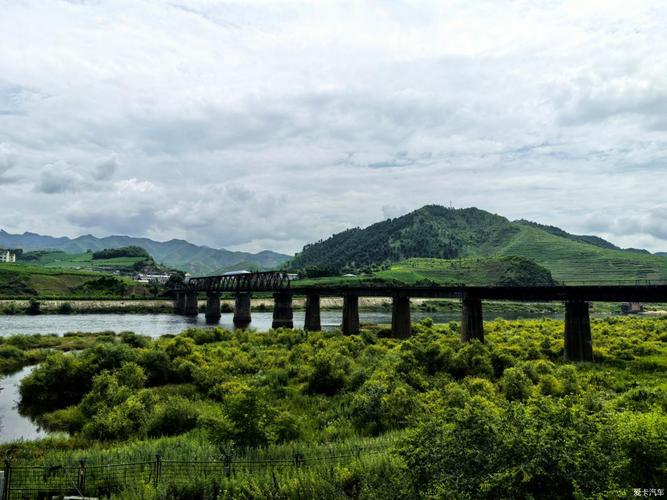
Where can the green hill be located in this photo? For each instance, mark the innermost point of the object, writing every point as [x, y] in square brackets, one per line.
[508, 271]
[444, 233]
[125, 260]
[28, 280]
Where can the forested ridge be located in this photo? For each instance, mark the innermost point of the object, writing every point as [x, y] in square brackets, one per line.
[432, 231]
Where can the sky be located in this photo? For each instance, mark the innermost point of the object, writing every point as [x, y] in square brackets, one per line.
[268, 124]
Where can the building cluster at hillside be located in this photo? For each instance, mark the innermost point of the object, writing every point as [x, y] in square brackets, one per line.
[148, 278]
[7, 256]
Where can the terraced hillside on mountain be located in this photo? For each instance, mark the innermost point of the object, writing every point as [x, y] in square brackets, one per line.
[507, 271]
[572, 261]
[444, 233]
[178, 254]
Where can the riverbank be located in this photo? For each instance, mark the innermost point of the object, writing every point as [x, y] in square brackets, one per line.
[367, 304]
[65, 306]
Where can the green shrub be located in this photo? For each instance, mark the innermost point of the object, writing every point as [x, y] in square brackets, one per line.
[34, 306]
[473, 359]
[516, 385]
[329, 373]
[65, 308]
[174, 416]
[11, 358]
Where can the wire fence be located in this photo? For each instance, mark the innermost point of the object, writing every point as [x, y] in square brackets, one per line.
[23, 481]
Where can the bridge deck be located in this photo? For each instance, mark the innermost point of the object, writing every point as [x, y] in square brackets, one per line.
[596, 293]
[275, 281]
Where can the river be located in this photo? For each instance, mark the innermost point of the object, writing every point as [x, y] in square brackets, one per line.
[155, 325]
[13, 425]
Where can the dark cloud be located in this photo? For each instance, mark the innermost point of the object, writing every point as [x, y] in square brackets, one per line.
[105, 169]
[57, 178]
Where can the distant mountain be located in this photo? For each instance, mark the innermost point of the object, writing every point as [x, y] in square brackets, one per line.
[661, 254]
[178, 254]
[438, 232]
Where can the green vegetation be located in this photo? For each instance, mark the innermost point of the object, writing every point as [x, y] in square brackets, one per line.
[124, 260]
[25, 280]
[503, 419]
[112, 253]
[508, 271]
[443, 233]
[22, 350]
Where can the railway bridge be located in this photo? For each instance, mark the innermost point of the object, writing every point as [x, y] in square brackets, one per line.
[577, 334]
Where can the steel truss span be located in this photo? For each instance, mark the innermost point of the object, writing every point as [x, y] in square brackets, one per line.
[270, 281]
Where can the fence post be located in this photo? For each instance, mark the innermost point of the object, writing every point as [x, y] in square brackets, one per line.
[228, 465]
[8, 479]
[82, 476]
[299, 459]
[158, 468]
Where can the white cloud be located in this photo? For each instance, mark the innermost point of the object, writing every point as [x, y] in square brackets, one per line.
[273, 124]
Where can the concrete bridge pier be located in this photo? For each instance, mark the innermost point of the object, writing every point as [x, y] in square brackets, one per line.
[242, 315]
[350, 314]
[400, 317]
[312, 322]
[578, 341]
[179, 302]
[213, 313]
[191, 305]
[472, 322]
[282, 310]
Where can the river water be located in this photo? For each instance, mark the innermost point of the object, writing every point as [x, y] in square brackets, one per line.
[14, 426]
[155, 325]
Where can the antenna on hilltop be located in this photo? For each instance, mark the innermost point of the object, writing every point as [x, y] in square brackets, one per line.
[451, 205]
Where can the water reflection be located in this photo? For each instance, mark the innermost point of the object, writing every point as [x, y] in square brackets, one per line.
[13, 425]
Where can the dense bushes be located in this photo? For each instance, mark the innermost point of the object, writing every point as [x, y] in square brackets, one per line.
[507, 418]
[545, 449]
[105, 285]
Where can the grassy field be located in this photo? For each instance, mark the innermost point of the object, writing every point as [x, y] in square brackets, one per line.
[477, 271]
[571, 261]
[23, 280]
[84, 261]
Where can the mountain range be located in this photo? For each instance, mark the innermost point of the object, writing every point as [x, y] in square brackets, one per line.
[438, 232]
[178, 254]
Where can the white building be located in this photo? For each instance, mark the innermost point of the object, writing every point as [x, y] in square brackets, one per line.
[147, 278]
[7, 256]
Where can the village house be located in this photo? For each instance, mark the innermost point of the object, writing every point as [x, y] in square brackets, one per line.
[7, 256]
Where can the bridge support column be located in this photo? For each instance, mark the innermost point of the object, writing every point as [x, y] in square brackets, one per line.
[472, 322]
[191, 305]
[400, 317]
[312, 322]
[578, 341]
[282, 310]
[213, 307]
[179, 303]
[350, 314]
[242, 315]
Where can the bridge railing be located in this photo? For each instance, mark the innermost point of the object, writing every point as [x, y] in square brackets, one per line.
[266, 281]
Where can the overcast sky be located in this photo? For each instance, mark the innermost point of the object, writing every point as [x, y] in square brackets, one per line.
[268, 124]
